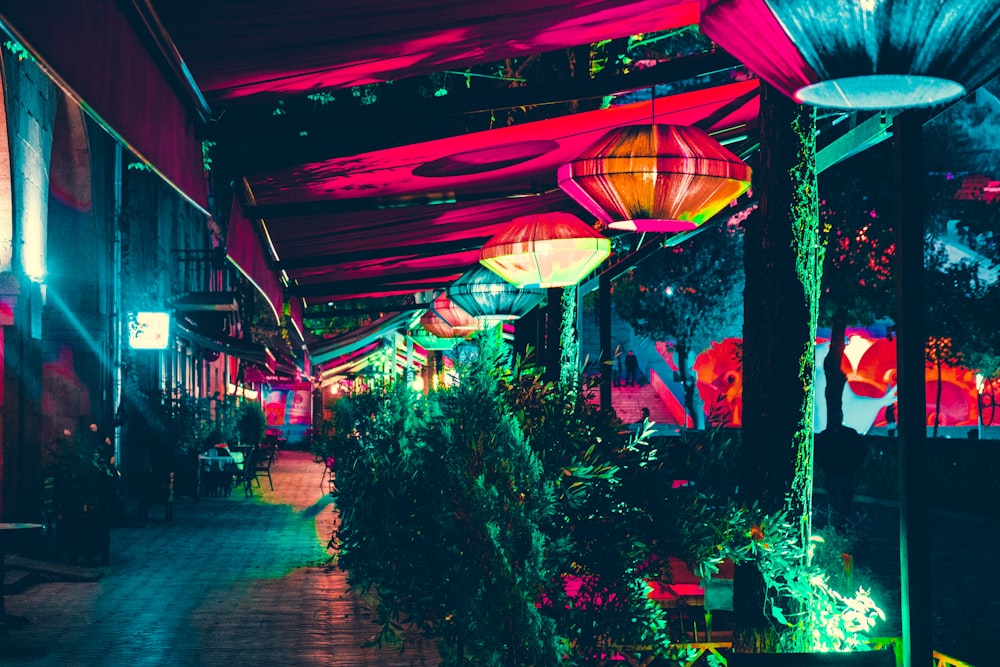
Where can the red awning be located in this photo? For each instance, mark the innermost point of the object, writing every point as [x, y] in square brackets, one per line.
[96, 54]
[246, 251]
[237, 48]
[359, 249]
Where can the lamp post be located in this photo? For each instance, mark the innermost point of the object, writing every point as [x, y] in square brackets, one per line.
[979, 405]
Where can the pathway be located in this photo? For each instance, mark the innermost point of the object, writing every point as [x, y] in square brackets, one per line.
[230, 581]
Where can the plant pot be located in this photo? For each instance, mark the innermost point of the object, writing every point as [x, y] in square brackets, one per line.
[84, 535]
[853, 659]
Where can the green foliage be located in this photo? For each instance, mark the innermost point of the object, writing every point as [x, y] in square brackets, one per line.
[856, 210]
[963, 137]
[206, 154]
[441, 508]
[18, 50]
[251, 423]
[322, 98]
[187, 423]
[83, 465]
[691, 293]
[468, 511]
[961, 310]
[226, 416]
[596, 530]
[807, 612]
[569, 346]
[341, 317]
[366, 94]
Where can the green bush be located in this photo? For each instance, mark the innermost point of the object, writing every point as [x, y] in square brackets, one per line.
[468, 511]
[251, 424]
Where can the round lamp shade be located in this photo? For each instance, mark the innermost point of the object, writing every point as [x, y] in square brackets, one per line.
[429, 341]
[485, 295]
[854, 54]
[446, 320]
[545, 250]
[655, 178]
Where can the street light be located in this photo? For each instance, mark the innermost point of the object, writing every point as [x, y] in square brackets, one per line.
[980, 380]
[986, 401]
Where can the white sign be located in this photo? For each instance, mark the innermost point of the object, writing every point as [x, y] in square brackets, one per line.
[149, 331]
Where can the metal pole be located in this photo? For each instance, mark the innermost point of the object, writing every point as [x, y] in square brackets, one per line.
[118, 341]
[604, 335]
[979, 405]
[914, 514]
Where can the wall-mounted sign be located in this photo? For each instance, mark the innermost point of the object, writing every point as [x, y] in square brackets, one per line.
[149, 330]
[288, 409]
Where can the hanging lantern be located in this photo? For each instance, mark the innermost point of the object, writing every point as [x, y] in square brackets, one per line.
[655, 178]
[446, 320]
[485, 295]
[871, 54]
[545, 250]
[429, 341]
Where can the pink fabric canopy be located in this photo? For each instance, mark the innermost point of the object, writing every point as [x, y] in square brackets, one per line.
[237, 48]
[392, 251]
[105, 63]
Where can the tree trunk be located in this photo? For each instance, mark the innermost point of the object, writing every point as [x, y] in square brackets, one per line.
[697, 407]
[690, 382]
[780, 306]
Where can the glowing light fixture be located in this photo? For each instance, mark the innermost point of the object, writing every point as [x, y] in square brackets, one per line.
[485, 295]
[446, 320]
[149, 330]
[429, 341]
[545, 250]
[655, 178]
[862, 54]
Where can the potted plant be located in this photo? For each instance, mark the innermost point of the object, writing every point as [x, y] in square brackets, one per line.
[86, 493]
[816, 624]
[250, 424]
[189, 431]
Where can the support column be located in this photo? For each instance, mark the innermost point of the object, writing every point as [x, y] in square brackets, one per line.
[29, 108]
[553, 328]
[604, 335]
[778, 340]
[914, 512]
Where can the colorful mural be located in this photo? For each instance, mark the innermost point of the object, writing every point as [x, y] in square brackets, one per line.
[869, 362]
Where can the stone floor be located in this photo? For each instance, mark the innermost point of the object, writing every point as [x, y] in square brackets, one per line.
[230, 581]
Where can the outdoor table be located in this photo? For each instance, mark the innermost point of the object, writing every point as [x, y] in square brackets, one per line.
[217, 460]
[219, 466]
[10, 535]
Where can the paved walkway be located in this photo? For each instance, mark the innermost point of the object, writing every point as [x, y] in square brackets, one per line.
[237, 581]
[230, 581]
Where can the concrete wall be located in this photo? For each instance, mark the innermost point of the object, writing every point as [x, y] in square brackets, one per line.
[30, 104]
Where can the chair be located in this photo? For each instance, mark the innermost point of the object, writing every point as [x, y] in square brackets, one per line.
[247, 474]
[685, 591]
[260, 465]
[330, 475]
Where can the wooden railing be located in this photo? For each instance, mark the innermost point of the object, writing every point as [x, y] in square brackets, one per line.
[698, 652]
[940, 659]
